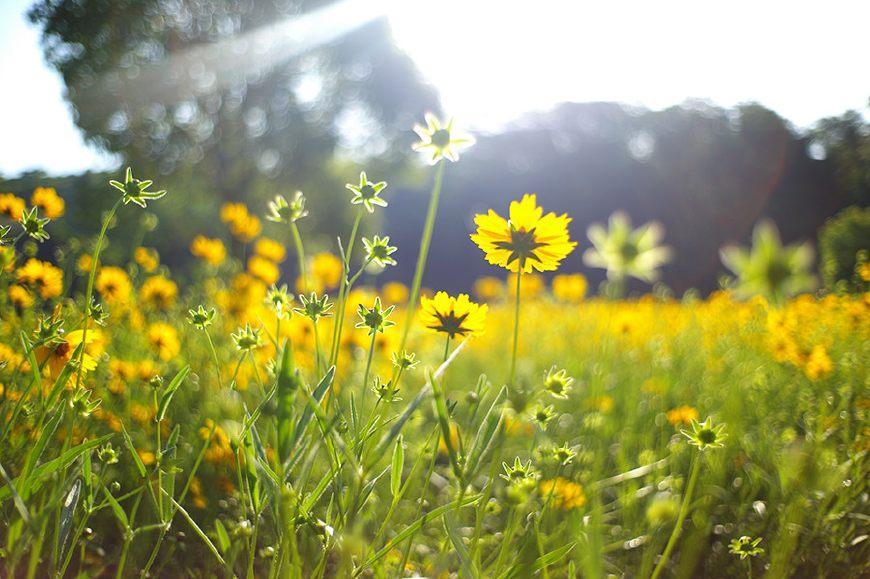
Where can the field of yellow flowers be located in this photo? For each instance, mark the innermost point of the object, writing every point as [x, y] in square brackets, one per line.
[232, 426]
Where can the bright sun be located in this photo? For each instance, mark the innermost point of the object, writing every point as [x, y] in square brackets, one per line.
[493, 60]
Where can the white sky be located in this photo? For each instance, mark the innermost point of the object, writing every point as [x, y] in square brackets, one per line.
[493, 60]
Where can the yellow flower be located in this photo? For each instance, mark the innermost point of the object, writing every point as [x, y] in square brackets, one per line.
[11, 206]
[164, 339]
[242, 224]
[326, 267]
[158, 292]
[602, 404]
[529, 241]
[864, 271]
[453, 315]
[147, 258]
[49, 202]
[682, 415]
[570, 288]
[488, 288]
[84, 263]
[114, 284]
[263, 269]
[533, 285]
[20, 297]
[42, 277]
[566, 495]
[146, 456]
[57, 355]
[395, 292]
[270, 249]
[210, 250]
[818, 364]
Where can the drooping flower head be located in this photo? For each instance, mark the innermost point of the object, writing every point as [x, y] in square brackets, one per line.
[283, 211]
[705, 435]
[528, 241]
[769, 268]
[34, 225]
[314, 307]
[367, 193]
[439, 140]
[454, 316]
[136, 191]
[374, 319]
[624, 251]
[378, 250]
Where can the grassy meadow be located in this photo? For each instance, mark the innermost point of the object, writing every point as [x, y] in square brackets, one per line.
[220, 424]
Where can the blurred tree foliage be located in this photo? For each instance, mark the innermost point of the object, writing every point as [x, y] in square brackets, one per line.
[235, 99]
[707, 173]
[840, 242]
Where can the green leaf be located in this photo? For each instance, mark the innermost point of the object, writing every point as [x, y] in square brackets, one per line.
[398, 466]
[67, 513]
[444, 422]
[140, 466]
[416, 526]
[44, 438]
[166, 398]
[468, 568]
[553, 556]
[45, 470]
[16, 498]
[318, 395]
[116, 508]
[223, 537]
[485, 434]
[288, 384]
[198, 531]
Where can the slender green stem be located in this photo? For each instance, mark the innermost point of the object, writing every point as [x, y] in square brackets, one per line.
[217, 364]
[425, 241]
[300, 256]
[516, 327]
[684, 509]
[365, 384]
[89, 294]
[343, 291]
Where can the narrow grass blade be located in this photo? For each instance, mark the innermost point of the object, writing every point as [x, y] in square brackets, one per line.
[16, 498]
[166, 398]
[140, 466]
[198, 531]
[398, 466]
[485, 435]
[67, 513]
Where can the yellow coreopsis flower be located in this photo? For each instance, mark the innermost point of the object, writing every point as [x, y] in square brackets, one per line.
[42, 276]
[570, 288]
[529, 241]
[242, 224]
[270, 249]
[395, 292]
[326, 268]
[20, 297]
[147, 258]
[158, 292]
[12, 206]
[566, 495]
[488, 288]
[113, 283]
[164, 339]
[263, 269]
[682, 415]
[818, 364]
[209, 250]
[49, 202]
[57, 355]
[454, 316]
